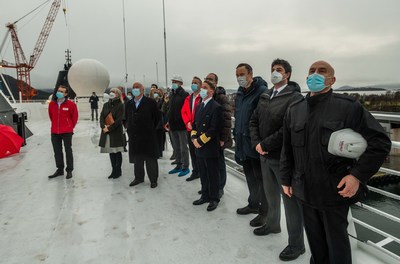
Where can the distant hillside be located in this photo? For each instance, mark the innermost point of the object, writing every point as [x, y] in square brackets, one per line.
[376, 87]
[12, 83]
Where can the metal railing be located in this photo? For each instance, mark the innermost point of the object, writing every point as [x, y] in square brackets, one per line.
[388, 238]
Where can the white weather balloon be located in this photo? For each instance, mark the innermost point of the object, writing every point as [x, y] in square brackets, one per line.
[87, 76]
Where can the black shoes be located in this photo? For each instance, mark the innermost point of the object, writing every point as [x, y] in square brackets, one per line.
[247, 210]
[290, 254]
[56, 174]
[192, 177]
[200, 192]
[266, 230]
[135, 182]
[212, 206]
[69, 175]
[200, 201]
[259, 220]
[153, 185]
[111, 176]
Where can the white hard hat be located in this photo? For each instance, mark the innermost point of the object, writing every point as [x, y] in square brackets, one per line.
[347, 143]
[177, 77]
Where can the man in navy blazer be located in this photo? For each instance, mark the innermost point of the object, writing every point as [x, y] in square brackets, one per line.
[205, 137]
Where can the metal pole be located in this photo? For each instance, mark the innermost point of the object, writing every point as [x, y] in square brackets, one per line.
[157, 71]
[126, 63]
[165, 49]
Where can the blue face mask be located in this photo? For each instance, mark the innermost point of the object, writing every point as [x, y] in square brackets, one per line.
[194, 87]
[175, 86]
[203, 93]
[155, 95]
[129, 97]
[316, 82]
[59, 95]
[136, 92]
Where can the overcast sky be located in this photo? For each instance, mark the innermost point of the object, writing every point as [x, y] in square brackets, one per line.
[360, 38]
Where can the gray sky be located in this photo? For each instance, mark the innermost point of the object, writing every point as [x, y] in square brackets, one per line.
[360, 38]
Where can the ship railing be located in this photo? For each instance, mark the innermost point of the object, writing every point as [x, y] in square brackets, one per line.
[387, 238]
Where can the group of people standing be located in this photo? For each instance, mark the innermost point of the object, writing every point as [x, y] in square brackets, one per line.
[281, 140]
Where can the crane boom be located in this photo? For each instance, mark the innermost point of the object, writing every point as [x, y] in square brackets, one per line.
[44, 34]
[21, 64]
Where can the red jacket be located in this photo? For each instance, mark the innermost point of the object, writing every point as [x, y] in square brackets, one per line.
[187, 112]
[64, 118]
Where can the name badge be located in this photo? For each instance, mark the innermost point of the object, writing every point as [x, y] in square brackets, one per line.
[65, 108]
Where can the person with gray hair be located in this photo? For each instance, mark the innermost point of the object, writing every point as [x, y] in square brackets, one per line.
[142, 116]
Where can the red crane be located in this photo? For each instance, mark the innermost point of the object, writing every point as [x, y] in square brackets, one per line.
[21, 64]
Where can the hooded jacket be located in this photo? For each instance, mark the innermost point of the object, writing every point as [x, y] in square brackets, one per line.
[266, 123]
[306, 164]
[245, 103]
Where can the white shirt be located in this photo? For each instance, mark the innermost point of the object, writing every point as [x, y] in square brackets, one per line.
[279, 90]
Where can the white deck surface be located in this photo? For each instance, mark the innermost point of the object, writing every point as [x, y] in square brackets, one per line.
[91, 219]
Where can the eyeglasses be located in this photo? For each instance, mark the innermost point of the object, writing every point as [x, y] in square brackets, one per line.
[209, 79]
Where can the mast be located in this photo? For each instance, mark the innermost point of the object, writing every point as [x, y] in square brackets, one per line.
[165, 48]
[126, 63]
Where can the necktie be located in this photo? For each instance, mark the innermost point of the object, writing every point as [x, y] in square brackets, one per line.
[274, 93]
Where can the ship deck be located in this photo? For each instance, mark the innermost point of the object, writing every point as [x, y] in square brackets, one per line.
[91, 219]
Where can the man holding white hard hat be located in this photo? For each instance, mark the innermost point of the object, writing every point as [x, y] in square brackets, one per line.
[331, 146]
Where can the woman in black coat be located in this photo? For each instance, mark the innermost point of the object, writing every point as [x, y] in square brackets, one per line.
[112, 138]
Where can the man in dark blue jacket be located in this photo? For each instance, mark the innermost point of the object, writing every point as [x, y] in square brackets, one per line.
[246, 101]
[327, 184]
[206, 139]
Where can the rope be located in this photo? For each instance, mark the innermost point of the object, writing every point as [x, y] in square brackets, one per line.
[32, 11]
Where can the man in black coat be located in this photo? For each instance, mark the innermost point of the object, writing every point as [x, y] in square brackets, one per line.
[325, 183]
[142, 116]
[94, 105]
[266, 126]
[177, 127]
[205, 137]
[225, 139]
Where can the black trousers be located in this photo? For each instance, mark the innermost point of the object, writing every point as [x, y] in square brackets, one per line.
[160, 141]
[57, 140]
[116, 163]
[326, 231]
[95, 110]
[252, 171]
[209, 178]
[193, 156]
[151, 167]
[222, 169]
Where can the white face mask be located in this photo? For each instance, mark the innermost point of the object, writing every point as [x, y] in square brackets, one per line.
[112, 96]
[242, 81]
[276, 77]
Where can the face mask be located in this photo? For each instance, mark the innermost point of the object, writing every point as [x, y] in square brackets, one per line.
[316, 82]
[155, 95]
[175, 86]
[242, 81]
[59, 95]
[194, 87]
[129, 97]
[112, 96]
[136, 92]
[276, 77]
[203, 93]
